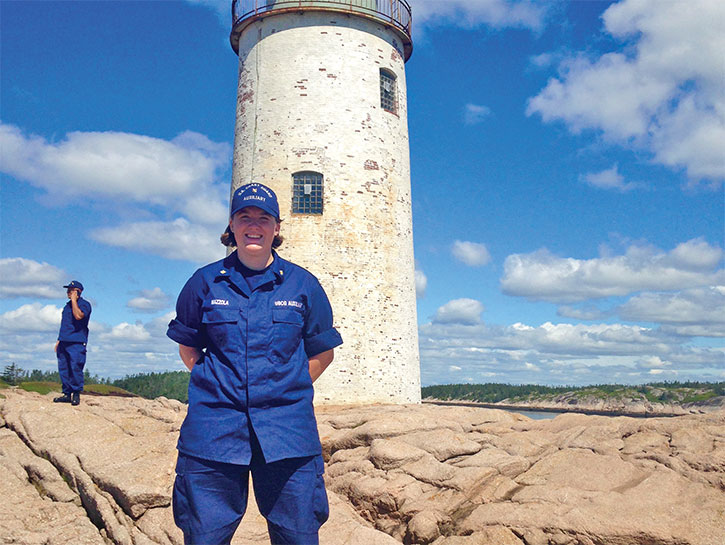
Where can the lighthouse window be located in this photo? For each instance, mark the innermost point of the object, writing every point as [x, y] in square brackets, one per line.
[388, 100]
[307, 193]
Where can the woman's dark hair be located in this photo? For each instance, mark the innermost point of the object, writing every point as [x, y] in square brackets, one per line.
[228, 239]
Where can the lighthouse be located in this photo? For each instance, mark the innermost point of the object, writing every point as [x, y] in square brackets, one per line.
[322, 119]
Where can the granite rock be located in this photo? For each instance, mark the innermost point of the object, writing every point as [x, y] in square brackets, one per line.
[102, 473]
[574, 479]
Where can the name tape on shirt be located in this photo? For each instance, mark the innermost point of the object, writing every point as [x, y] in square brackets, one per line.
[220, 302]
[295, 304]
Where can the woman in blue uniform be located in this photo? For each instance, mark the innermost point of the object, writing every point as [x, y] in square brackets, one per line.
[256, 331]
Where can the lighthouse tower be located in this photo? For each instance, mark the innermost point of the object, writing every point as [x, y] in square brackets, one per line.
[322, 120]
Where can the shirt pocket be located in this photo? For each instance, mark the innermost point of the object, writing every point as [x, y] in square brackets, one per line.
[220, 325]
[286, 334]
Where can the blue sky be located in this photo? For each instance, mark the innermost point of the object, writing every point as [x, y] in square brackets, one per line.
[567, 173]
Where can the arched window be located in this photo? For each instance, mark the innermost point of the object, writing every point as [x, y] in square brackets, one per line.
[307, 193]
[388, 94]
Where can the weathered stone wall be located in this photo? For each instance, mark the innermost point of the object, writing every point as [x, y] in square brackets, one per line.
[309, 100]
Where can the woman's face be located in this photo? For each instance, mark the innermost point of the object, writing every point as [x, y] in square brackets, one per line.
[254, 230]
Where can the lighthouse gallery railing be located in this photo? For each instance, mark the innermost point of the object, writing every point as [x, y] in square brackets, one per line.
[394, 12]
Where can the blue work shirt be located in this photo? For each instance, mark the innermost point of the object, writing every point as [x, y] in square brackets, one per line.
[72, 330]
[255, 368]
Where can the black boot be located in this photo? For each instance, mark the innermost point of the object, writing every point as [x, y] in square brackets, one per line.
[75, 398]
[65, 398]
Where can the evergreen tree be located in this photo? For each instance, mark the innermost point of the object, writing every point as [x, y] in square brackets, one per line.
[13, 374]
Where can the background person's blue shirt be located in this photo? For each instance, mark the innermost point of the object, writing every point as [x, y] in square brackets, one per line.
[72, 330]
[254, 371]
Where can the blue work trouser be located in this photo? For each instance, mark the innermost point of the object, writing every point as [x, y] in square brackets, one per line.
[71, 361]
[210, 498]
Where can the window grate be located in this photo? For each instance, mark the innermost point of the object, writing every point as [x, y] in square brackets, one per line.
[388, 96]
[307, 193]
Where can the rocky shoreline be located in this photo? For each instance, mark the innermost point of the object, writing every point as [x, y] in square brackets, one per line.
[101, 473]
[595, 406]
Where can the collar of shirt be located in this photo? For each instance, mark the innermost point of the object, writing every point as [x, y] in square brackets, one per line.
[231, 272]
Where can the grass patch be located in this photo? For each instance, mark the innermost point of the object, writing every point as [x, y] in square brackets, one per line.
[3, 384]
[44, 388]
[106, 390]
[697, 397]
[40, 387]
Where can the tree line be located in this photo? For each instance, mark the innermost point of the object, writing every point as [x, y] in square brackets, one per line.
[494, 393]
[171, 384]
[174, 385]
[14, 375]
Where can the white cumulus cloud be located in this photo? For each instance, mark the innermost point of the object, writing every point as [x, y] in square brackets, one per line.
[179, 177]
[473, 254]
[664, 92]
[609, 179]
[20, 277]
[421, 283]
[178, 239]
[28, 335]
[459, 311]
[473, 13]
[653, 362]
[546, 277]
[113, 164]
[31, 318]
[151, 300]
[697, 311]
[586, 312]
[563, 353]
[474, 114]
[126, 332]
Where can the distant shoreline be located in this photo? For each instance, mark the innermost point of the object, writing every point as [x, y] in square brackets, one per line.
[644, 413]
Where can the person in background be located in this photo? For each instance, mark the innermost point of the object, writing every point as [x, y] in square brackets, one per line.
[70, 347]
[256, 331]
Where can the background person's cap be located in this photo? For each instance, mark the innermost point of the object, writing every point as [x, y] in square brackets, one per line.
[75, 284]
[255, 194]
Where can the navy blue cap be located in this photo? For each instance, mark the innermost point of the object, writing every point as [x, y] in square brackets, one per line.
[75, 284]
[255, 194]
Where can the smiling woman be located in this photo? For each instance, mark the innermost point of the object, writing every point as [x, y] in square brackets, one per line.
[255, 331]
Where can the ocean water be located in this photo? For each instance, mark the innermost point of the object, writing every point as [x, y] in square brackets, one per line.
[537, 415]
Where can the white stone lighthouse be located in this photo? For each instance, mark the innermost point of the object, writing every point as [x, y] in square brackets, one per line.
[322, 119]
